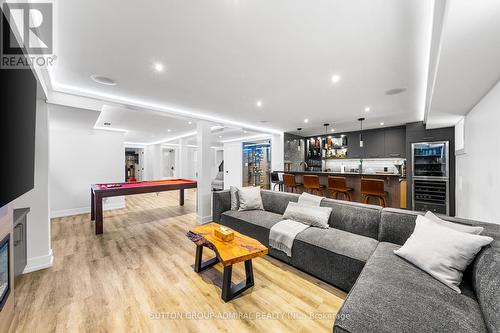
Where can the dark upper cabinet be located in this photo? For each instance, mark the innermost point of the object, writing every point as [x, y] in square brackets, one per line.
[373, 142]
[395, 142]
[353, 150]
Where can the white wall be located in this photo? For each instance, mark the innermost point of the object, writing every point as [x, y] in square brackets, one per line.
[39, 249]
[81, 156]
[477, 170]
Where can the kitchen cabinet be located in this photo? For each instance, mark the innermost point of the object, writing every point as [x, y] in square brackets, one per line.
[353, 149]
[374, 143]
[394, 142]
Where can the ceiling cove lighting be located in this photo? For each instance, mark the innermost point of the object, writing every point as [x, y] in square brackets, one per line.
[253, 137]
[106, 128]
[335, 78]
[106, 97]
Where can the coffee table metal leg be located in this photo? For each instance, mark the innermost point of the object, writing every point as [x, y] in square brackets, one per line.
[200, 265]
[229, 292]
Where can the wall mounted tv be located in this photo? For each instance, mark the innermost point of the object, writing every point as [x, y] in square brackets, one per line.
[18, 91]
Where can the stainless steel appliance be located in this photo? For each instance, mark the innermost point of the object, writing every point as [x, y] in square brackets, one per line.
[430, 177]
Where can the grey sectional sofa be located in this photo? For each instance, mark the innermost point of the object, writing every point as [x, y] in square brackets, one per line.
[386, 293]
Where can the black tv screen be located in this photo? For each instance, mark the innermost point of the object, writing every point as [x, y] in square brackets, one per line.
[17, 133]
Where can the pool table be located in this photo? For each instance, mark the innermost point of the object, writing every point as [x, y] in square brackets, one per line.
[100, 191]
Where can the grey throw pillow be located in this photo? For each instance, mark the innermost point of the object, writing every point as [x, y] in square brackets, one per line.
[455, 226]
[310, 215]
[442, 252]
[235, 202]
[249, 198]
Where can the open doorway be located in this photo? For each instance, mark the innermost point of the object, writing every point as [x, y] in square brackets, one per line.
[134, 166]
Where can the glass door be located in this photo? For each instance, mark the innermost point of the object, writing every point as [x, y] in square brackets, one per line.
[430, 159]
[257, 164]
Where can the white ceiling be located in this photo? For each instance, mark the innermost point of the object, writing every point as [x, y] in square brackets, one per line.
[469, 61]
[220, 57]
[146, 127]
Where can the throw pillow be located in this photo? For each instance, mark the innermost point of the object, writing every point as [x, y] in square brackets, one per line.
[455, 226]
[442, 252]
[310, 199]
[250, 198]
[235, 202]
[310, 215]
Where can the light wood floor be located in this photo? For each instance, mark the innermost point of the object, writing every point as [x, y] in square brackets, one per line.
[138, 277]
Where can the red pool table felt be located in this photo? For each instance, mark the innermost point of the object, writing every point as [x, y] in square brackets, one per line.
[146, 183]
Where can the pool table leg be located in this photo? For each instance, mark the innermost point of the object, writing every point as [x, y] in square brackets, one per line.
[98, 214]
[181, 197]
[92, 205]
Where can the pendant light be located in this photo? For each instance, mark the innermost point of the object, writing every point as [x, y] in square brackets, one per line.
[300, 140]
[326, 135]
[361, 132]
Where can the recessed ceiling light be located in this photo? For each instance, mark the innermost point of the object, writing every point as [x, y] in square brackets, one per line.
[169, 130]
[306, 120]
[220, 136]
[332, 130]
[158, 67]
[103, 80]
[259, 104]
[395, 91]
[381, 124]
[335, 78]
[245, 132]
[190, 122]
[367, 109]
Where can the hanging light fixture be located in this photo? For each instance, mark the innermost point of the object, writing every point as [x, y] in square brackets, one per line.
[361, 132]
[326, 135]
[300, 140]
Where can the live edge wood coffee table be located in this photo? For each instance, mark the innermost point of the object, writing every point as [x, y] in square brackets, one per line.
[241, 248]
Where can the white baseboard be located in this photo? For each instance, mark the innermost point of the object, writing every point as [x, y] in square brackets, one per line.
[38, 263]
[203, 220]
[84, 210]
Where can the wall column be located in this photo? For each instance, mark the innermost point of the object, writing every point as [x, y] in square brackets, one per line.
[183, 158]
[205, 164]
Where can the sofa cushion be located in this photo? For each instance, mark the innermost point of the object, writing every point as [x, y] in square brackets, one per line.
[333, 255]
[276, 202]
[486, 281]
[253, 223]
[396, 225]
[392, 295]
[353, 217]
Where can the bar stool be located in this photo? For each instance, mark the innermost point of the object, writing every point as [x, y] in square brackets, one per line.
[373, 188]
[338, 185]
[275, 179]
[289, 183]
[311, 184]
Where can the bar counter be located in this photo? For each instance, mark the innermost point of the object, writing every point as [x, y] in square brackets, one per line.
[395, 185]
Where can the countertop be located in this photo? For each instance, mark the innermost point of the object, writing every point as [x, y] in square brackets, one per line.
[328, 173]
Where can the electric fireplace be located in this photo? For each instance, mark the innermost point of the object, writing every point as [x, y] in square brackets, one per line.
[4, 270]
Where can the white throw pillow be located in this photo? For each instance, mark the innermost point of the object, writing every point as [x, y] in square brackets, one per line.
[310, 215]
[442, 252]
[235, 202]
[250, 198]
[310, 199]
[455, 226]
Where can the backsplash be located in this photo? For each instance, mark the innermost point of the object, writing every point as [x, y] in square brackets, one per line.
[369, 165]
